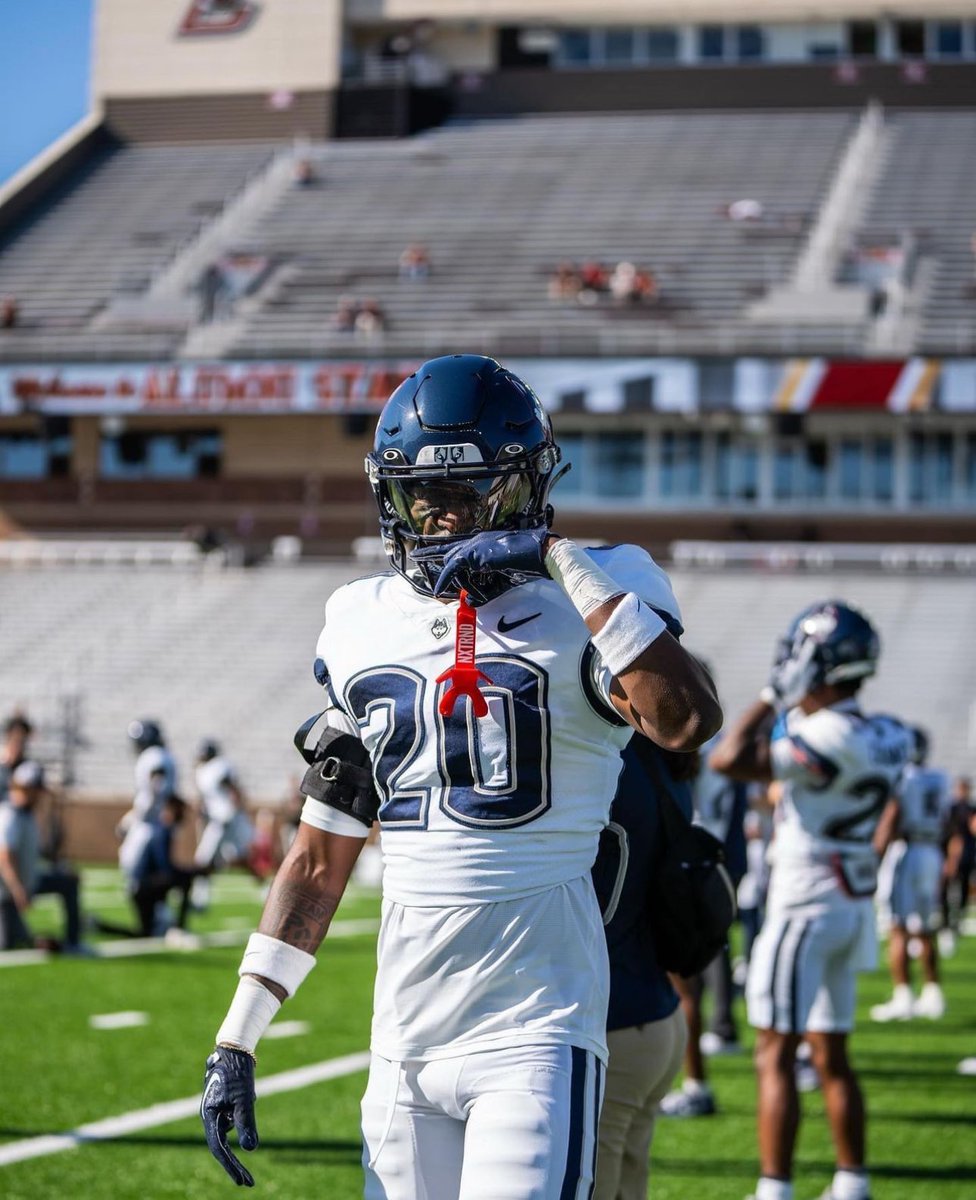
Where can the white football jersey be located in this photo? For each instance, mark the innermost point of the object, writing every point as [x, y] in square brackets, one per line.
[213, 778]
[154, 758]
[839, 768]
[924, 801]
[491, 932]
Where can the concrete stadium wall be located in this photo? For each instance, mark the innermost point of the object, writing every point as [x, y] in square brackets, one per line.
[148, 49]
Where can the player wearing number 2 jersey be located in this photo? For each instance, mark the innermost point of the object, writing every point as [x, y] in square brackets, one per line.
[838, 767]
[915, 861]
[489, 682]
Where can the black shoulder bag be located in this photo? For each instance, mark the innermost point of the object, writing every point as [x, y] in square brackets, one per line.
[691, 898]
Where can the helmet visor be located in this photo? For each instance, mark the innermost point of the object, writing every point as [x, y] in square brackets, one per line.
[452, 507]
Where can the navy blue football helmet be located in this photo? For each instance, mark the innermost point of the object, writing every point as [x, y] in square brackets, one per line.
[207, 750]
[920, 745]
[462, 446]
[830, 642]
[145, 733]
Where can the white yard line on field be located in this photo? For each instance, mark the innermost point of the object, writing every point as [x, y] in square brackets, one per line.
[136, 947]
[173, 1110]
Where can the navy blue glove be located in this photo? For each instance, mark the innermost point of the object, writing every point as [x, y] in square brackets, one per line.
[489, 563]
[228, 1099]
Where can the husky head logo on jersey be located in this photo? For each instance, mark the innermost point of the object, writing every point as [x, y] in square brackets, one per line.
[828, 643]
[461, 446]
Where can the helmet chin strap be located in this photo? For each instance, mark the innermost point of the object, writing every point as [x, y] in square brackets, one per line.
[464, 677]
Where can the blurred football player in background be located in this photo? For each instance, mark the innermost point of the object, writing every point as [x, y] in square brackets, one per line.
[22, 876]
[960, 862]
[918, 815]
[838, 767]
[17, 731]
[228, 832]
[154, 875]
[155, 782]
[489, 1024]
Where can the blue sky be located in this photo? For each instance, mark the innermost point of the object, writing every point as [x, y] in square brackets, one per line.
[45, 58]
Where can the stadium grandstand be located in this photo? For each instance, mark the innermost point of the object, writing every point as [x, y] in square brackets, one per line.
[735, 259]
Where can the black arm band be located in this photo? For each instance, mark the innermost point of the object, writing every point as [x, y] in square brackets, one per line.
[341, 776]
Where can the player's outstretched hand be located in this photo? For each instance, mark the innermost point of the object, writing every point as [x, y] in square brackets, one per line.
[515, 555]
[228, 1100]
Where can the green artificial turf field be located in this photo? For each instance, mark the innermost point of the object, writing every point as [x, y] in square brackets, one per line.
[58, 1072]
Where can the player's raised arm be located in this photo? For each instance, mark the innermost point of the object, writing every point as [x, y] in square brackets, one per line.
[658, 687]
[300, 906]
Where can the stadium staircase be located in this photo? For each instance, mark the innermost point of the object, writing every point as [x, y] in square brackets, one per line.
[227, 653]
[926, 191]
[107, 233]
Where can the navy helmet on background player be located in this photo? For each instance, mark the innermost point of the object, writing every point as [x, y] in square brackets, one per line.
[462, 446]
[207, 750]
[920, 745]
[828, 643]
[145, 733]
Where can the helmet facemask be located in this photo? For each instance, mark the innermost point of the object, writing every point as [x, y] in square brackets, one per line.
[424, 508]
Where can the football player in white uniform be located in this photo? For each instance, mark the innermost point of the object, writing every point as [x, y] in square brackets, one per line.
[495, 774]
[155, 782]
[228, 832]
[838, 768]
[916, 862]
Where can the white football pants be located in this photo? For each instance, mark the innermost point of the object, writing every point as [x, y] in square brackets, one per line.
[512, 1124]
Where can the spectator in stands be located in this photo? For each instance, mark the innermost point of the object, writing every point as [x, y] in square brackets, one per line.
[594, 282]
[370, 318]
[21, 876]
[154, 875]
[344, 317]
[645, 287]
[415, 262]
[628, 285]
[304, 173]
[745, 210]
[9, 312]
[16, 734]
[564, 283]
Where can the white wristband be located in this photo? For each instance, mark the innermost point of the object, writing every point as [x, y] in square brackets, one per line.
[249, 1015]
[276, 960]
[581, 579]
[630, 629]
[768, 696]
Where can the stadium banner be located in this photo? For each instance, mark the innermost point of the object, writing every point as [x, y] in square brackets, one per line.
[594, 385]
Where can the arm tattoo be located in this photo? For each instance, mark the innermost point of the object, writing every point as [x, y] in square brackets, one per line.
[298, 913]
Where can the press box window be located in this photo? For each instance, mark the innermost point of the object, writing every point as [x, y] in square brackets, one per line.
[662, 44]
[145, 454]
[29, 455]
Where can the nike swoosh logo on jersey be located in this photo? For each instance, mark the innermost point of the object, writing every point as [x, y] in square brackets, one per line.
[507, 626]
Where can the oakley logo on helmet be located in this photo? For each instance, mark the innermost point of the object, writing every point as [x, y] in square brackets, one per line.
[443, 455]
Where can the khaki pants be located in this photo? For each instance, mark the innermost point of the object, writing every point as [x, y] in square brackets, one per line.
[643, 1063]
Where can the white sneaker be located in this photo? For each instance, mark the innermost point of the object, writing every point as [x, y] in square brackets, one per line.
[699, 1103]
[931, 1003]
[946, 939]
[807, 1079]
[900, 1007]
[713, 1046]
[179, 939]
[967, 1066]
